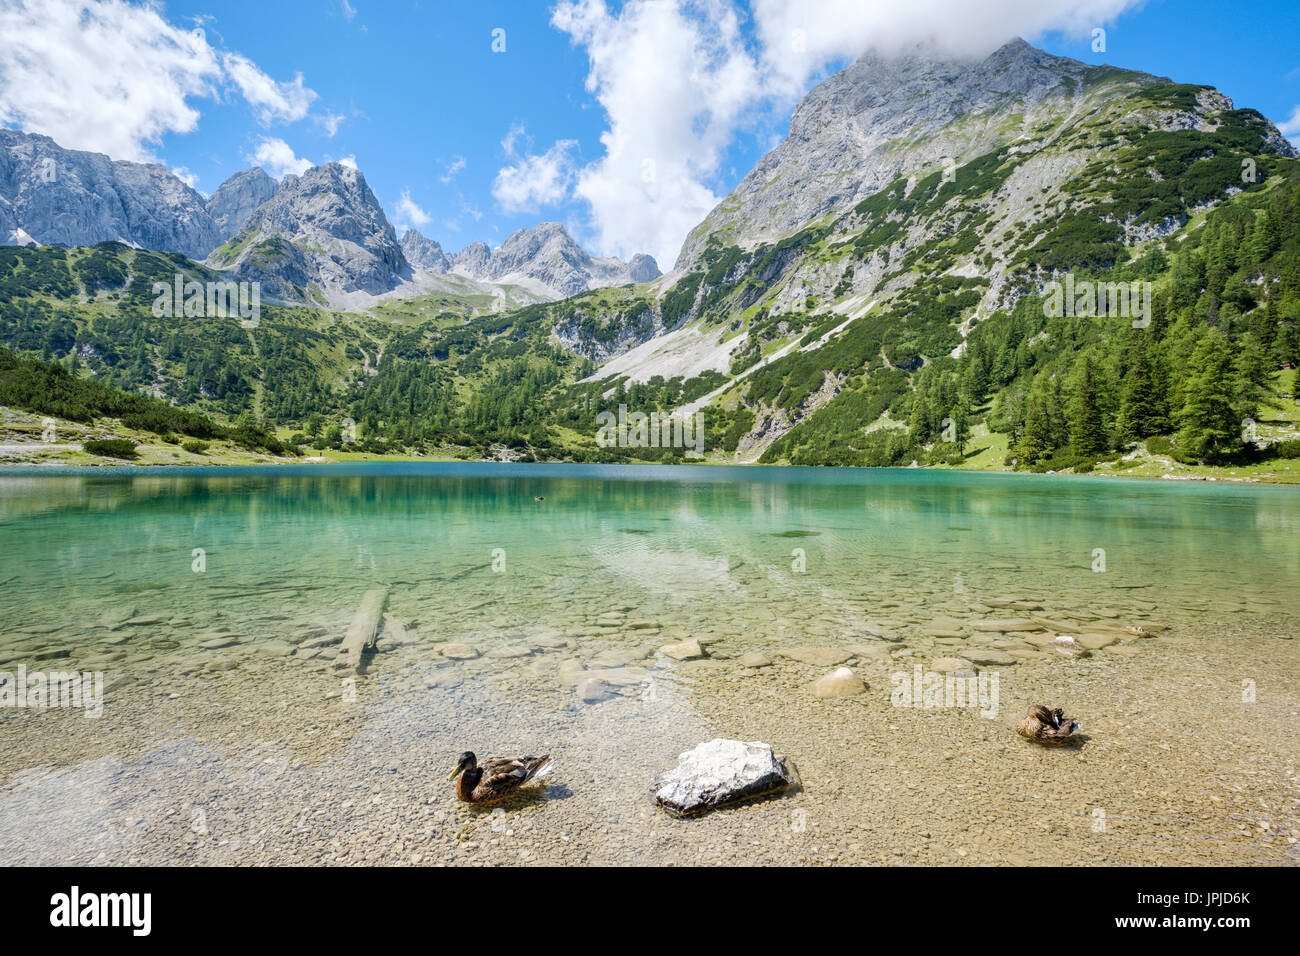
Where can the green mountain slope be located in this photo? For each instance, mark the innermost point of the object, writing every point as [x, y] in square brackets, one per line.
[906, 325]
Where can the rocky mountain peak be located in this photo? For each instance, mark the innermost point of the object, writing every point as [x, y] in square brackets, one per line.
[238, 197]
[324, 227]
[886, 115]
[547, 260]
[58, 196]
[474, 260]
[424, 253]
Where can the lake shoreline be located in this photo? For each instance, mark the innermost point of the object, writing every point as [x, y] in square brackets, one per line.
[13, 468]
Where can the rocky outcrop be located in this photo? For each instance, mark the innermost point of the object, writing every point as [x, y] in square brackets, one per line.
[238, 198]
[424, 253]
[323, 228]
[57, 196]
[721, 772]
[474, 260]
[643, 268]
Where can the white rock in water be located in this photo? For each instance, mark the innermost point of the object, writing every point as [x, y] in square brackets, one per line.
[721, 772]
[1067, 645]
[952, 665]
[685, 651]
[838, 683]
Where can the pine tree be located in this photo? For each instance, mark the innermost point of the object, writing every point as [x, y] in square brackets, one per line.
[919, 424]
[1088, 437]
[1254, 370]
[1209, 425]
[961, 426]
[1057, 422]
[1034, 446]
[1144, 410]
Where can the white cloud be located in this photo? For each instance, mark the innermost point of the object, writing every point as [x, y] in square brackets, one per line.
[331, 122]
[116, 77]
[1291, 127]
[674, 78]
[799, 39]
[510, 143]
[271, 100]
[533, 181]
[106, 76]
[466, 209]
[453, 168]
[349, 11]
[677, 80]
[350, 161]
[278, 159]
[409, 213]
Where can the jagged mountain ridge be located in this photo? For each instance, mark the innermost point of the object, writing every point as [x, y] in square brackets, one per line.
[544, 259]
[831, 344]
[1021, 113]
[886, 116]
[425, 253]
[69, 197]
[323, 228]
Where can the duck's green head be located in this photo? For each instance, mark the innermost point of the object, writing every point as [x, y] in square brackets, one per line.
[463, 763]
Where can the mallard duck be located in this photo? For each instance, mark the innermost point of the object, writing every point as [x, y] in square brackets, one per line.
[496, 777]
[1045, 726]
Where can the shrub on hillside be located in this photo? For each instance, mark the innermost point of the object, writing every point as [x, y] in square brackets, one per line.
[110, 447]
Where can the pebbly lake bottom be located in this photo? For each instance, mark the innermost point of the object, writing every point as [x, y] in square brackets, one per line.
[229, 736]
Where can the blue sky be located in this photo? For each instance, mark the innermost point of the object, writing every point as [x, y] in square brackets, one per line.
[467, 143]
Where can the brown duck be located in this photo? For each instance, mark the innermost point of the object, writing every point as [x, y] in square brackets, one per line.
[1045, 726]
[496, 777]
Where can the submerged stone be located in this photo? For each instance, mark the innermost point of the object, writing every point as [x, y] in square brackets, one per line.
[721, 772]
[592, 690]
[951, 665]
[988, 656]
[217, 643]
[458, 652]
[838, 683]
[1095, 642]
[818, 656]
[1004, 627]
[685, 651]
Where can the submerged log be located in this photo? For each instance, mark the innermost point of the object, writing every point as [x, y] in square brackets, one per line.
[363, 632]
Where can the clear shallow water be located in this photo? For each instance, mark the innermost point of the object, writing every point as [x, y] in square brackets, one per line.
[97, 570]
[688, 548]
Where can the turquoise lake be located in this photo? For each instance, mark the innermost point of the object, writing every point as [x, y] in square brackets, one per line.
[692, 543]
[180, 583]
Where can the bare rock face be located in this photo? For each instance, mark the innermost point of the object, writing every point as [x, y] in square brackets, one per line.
[721, 772]
[546, 259]
[643, 268]
[55, 196]
[324, 228]
[882, 117]
[424, 253]
[474, 260]
[238, 198]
